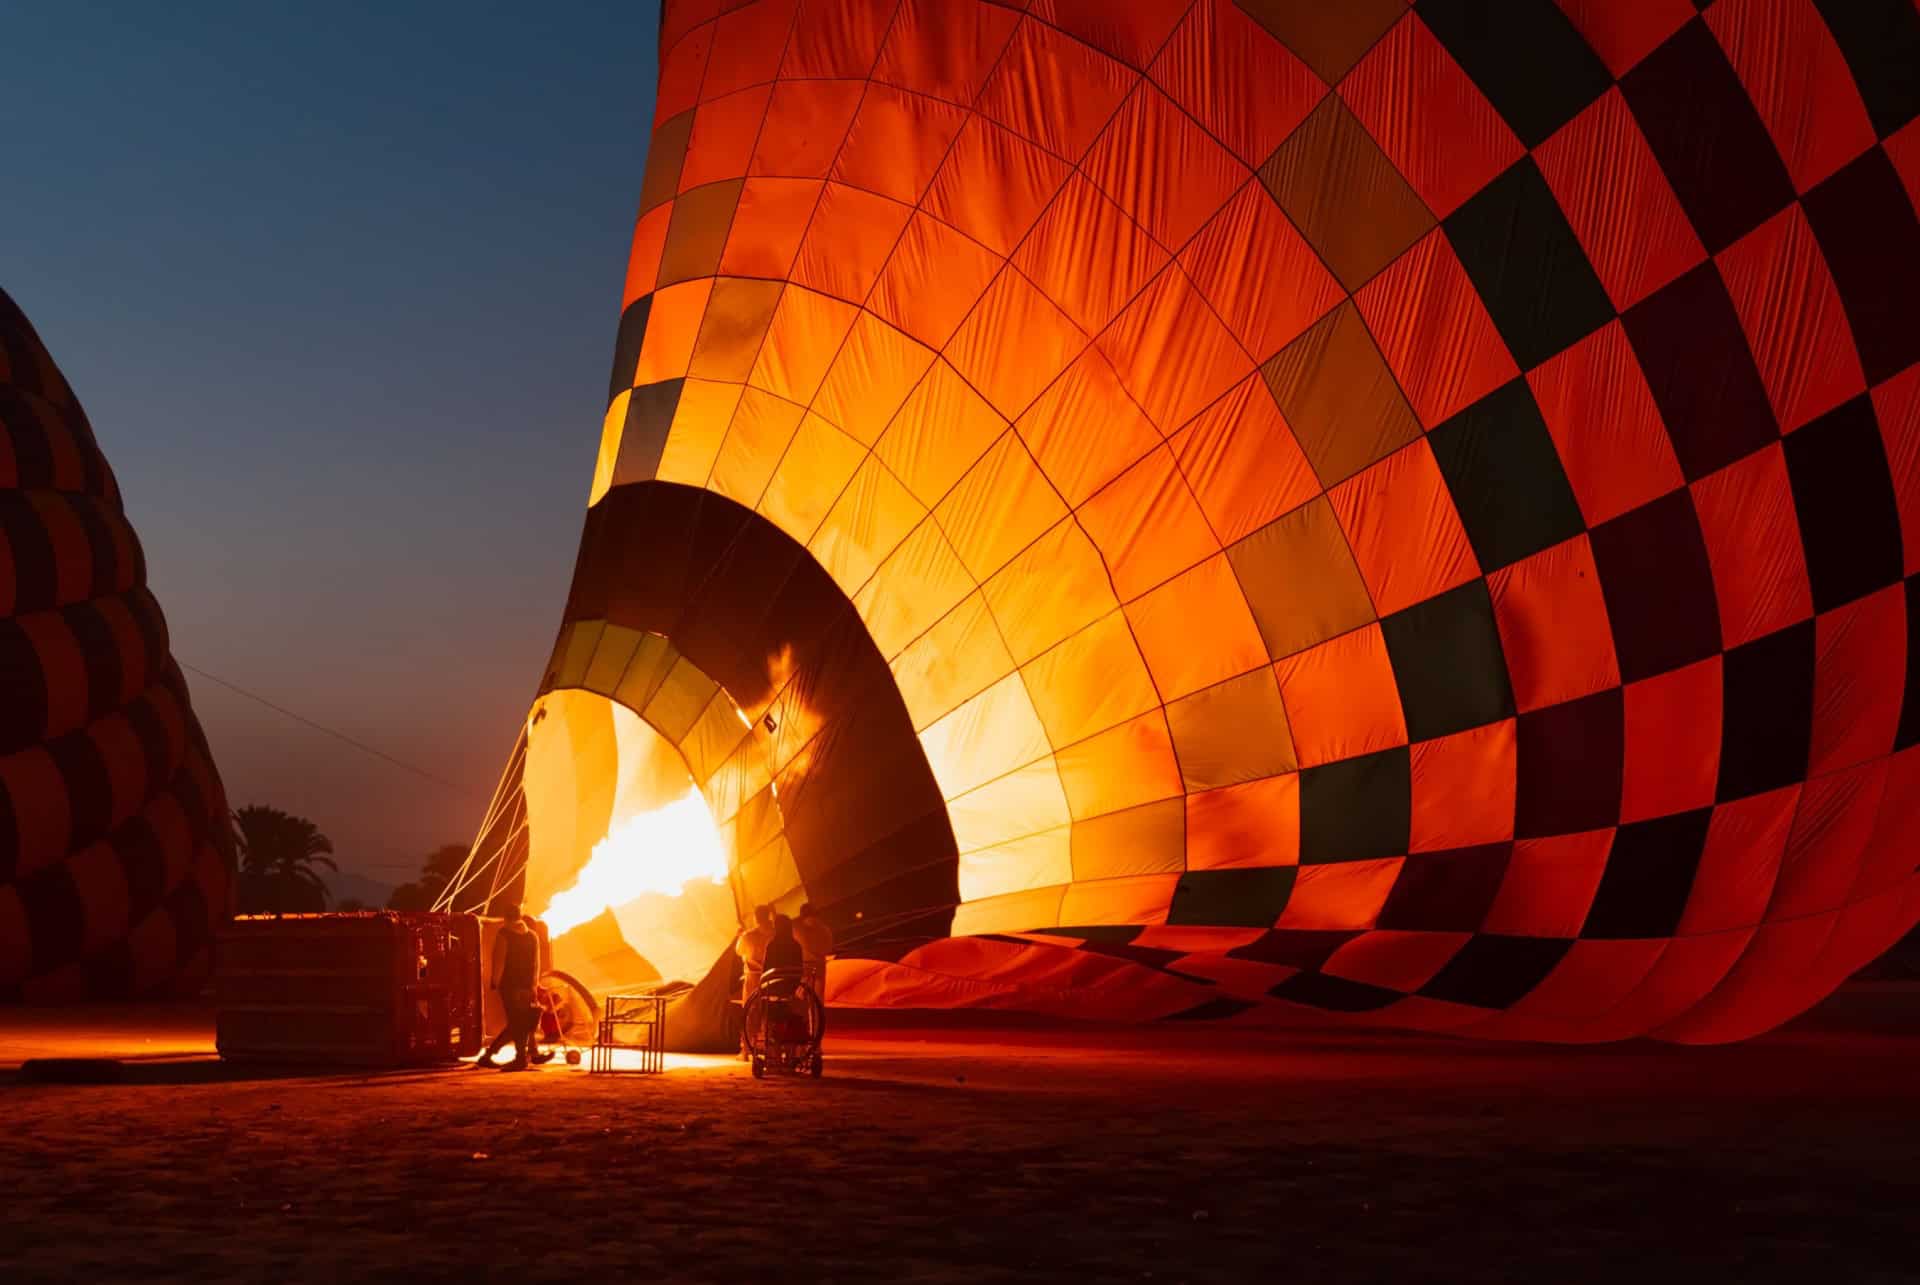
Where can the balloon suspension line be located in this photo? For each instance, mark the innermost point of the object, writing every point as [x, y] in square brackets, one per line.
[507, 798]
[483, 855]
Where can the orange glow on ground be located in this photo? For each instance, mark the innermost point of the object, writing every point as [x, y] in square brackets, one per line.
[660, 851]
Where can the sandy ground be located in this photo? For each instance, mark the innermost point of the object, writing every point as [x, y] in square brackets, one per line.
[965, 1151]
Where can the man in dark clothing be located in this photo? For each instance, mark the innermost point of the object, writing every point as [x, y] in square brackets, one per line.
[783, 953]
[785, 956]
[516, 966]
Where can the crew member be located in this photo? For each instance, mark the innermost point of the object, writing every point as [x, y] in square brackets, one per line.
[783, 952]
[538, 1055]
[516, 964]
[816, 943]
[752, 949]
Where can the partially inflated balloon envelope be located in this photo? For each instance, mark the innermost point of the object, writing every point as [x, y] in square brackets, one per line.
[114, 838]
[1181, 508]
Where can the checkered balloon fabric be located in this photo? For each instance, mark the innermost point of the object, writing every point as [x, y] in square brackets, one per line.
[1375, 511]
[114, 837]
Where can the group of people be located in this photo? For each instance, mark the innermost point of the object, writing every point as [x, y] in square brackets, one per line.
[800, 943]
[776, 942]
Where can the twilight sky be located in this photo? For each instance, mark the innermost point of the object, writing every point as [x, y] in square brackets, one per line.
[338, 287]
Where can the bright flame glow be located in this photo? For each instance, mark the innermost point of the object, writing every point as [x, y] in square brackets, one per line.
[659, 852]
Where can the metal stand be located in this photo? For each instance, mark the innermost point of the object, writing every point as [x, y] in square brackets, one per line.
[648, 1013]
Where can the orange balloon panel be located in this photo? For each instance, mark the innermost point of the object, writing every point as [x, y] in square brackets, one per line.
[1389, 513]
[114, 835]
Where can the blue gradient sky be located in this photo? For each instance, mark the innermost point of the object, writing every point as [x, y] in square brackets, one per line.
[338, 287]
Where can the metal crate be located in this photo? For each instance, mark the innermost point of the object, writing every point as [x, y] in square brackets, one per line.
[631, 1022]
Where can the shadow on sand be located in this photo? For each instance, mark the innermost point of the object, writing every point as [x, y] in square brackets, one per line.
[162, 1070]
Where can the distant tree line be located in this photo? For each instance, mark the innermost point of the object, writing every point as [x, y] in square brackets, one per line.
[280, 858]
[437, 873]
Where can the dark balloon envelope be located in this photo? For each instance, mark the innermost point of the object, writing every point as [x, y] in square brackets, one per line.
[1279, 509]
[114, 837]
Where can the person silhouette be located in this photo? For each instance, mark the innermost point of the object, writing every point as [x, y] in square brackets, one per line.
[516, 965]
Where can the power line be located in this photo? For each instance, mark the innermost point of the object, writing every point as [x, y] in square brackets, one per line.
[362, 746]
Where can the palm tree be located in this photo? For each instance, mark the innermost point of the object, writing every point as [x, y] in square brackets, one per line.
[280, 860]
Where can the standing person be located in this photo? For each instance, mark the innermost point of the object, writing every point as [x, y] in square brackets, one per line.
[816, 943]
[505, 1037]
[516, 965]
[782, 951]
[752, 949]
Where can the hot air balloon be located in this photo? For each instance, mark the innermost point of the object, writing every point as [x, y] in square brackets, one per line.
[1268, 510]
[115, 847]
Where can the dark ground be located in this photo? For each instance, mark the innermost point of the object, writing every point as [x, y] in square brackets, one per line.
[950, 1151]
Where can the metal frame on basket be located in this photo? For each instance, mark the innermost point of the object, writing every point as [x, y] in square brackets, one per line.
[646, 1011]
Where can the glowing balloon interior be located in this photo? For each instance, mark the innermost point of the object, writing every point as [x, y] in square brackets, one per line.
[658, 851]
